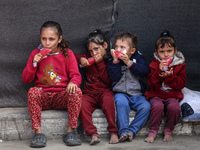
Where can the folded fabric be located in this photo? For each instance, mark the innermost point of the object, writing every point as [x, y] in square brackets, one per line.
[190, 105]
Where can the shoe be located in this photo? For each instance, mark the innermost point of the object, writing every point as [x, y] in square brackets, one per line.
[71, 139]
[38, 141]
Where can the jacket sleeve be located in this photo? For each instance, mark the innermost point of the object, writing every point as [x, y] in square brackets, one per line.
[72, 69]
[139, 68]
[29, 71]
[102, 70]
[114, 70]
[154, 80]
[78, 56]
[177, 80]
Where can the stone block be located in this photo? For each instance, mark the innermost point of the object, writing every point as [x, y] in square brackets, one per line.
[15, 124]
[196, 130]
[183, 128]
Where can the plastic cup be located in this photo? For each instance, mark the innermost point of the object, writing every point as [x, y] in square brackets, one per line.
[91, 60]
[118, 54]
[44, 51]
[168, 61]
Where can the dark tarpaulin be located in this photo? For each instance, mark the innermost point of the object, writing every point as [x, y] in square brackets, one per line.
[148, 18]
[20, 25]
[21, 21]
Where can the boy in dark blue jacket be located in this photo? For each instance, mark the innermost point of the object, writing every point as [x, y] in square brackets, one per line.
[126, 69]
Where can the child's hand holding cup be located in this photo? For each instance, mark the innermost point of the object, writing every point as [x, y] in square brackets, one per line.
[168, 61]
[118, 54]
[91, 60]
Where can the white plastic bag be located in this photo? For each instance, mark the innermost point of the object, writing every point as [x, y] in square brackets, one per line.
[190, 105]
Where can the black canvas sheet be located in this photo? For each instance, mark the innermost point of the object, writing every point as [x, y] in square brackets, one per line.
[20, 22]
[148, 18]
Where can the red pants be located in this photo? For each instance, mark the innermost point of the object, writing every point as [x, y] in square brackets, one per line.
[90, 103]
[159, 107]
[39, 100]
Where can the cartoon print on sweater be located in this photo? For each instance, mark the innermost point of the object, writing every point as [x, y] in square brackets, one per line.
[50, 76]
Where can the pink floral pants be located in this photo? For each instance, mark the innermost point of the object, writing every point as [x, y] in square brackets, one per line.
[39, 100]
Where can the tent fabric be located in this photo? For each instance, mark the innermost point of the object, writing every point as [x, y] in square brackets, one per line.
[148, 19]
[20, 34]
[21, 21]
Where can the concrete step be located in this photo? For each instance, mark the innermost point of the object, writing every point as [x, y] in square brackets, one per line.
[15, 124]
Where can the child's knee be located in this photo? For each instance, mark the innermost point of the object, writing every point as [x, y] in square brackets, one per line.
[79, 93]
[33, 92]
[121, 103]
[76, 96]
[120, 98]
[157, 105]
[174, 109]
[147, 106]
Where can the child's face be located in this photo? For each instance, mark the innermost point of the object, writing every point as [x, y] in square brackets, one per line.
[165, 52]
[49, 38]
[124, 46]
[95, 49]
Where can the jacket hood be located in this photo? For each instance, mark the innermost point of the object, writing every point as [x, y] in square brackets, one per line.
[177, 59]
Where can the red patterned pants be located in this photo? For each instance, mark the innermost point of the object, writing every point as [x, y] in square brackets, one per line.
[39, 100]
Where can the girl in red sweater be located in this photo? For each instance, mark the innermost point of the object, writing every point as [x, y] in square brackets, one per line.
[56, 85]
[166, 79]
[97, 87]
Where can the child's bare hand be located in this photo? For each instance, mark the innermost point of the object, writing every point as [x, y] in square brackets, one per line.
[38, 57]
[84, 62]
[125, 58]
[71, 88]
[166, 74]
[98, 58]
[112, 52]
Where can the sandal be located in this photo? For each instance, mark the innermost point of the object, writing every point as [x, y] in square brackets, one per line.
[71, 139]
[39, 140]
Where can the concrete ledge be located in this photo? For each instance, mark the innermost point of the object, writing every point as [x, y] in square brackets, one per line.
[15, 124]
[182, 128]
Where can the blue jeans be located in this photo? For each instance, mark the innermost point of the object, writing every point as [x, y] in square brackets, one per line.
[124, 104]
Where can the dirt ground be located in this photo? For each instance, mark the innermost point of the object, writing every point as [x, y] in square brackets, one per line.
[179, 143]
